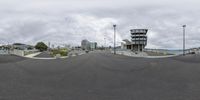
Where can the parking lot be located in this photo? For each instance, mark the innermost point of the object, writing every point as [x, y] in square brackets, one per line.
[100, 76]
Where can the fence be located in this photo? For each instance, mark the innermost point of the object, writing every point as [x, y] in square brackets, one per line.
[3, 52]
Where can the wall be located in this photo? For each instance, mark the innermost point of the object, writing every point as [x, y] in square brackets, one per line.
[17, 52]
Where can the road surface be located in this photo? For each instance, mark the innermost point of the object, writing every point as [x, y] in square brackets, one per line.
[100, 76]
[44, 54]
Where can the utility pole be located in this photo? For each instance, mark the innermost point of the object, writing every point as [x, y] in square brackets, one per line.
[49, 46]
[114, 26]
[184, 26]
[104, 42]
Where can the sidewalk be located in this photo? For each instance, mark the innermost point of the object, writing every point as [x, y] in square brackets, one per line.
[45, 56]
[33, 55]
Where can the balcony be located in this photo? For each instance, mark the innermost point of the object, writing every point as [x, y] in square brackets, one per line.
[139, 39]
[139, 35]
[139, 42]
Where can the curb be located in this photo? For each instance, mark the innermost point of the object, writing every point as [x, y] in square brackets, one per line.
[52, 58]
[42, 58]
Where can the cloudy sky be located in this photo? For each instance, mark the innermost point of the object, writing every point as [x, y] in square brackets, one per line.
[69, 21]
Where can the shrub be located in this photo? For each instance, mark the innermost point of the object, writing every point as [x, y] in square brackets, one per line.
[62, 52]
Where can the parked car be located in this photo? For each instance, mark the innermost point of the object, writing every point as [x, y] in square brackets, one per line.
[87, 51]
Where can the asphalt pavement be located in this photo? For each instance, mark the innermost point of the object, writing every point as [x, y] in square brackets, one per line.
[44, 54]
[101, 76]
[10, 59]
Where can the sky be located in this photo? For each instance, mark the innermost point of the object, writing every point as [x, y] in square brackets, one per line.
[62, 22]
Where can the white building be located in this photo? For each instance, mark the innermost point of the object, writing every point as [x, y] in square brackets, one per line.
[21, 46]
[87, 45]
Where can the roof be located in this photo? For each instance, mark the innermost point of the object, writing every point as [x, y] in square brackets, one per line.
[140, 29]
[127, 42]
[18, 44]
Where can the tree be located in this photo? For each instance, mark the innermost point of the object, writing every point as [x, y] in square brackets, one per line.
[41, 46]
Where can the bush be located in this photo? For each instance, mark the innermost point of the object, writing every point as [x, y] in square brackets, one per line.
[62, 52]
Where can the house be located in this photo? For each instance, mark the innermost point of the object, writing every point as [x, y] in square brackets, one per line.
[20, 46]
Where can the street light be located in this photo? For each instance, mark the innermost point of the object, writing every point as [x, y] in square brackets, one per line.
[114, 26]
[184, 26]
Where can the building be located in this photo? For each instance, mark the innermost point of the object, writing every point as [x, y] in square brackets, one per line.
[87, 45]
[93, 45]
[20, 46]
[138, 40]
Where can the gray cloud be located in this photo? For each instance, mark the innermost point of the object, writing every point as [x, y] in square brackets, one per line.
[68, 22]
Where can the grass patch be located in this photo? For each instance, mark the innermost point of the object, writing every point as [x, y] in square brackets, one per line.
[62, 52]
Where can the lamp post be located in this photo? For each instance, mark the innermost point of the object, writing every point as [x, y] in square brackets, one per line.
[114, 26]
[184, 26]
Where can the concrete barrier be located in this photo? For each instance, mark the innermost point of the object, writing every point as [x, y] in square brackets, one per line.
[17, 52]
[22, 52]
[28, 52]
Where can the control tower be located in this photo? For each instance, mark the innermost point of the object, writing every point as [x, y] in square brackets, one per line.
[138, 39]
